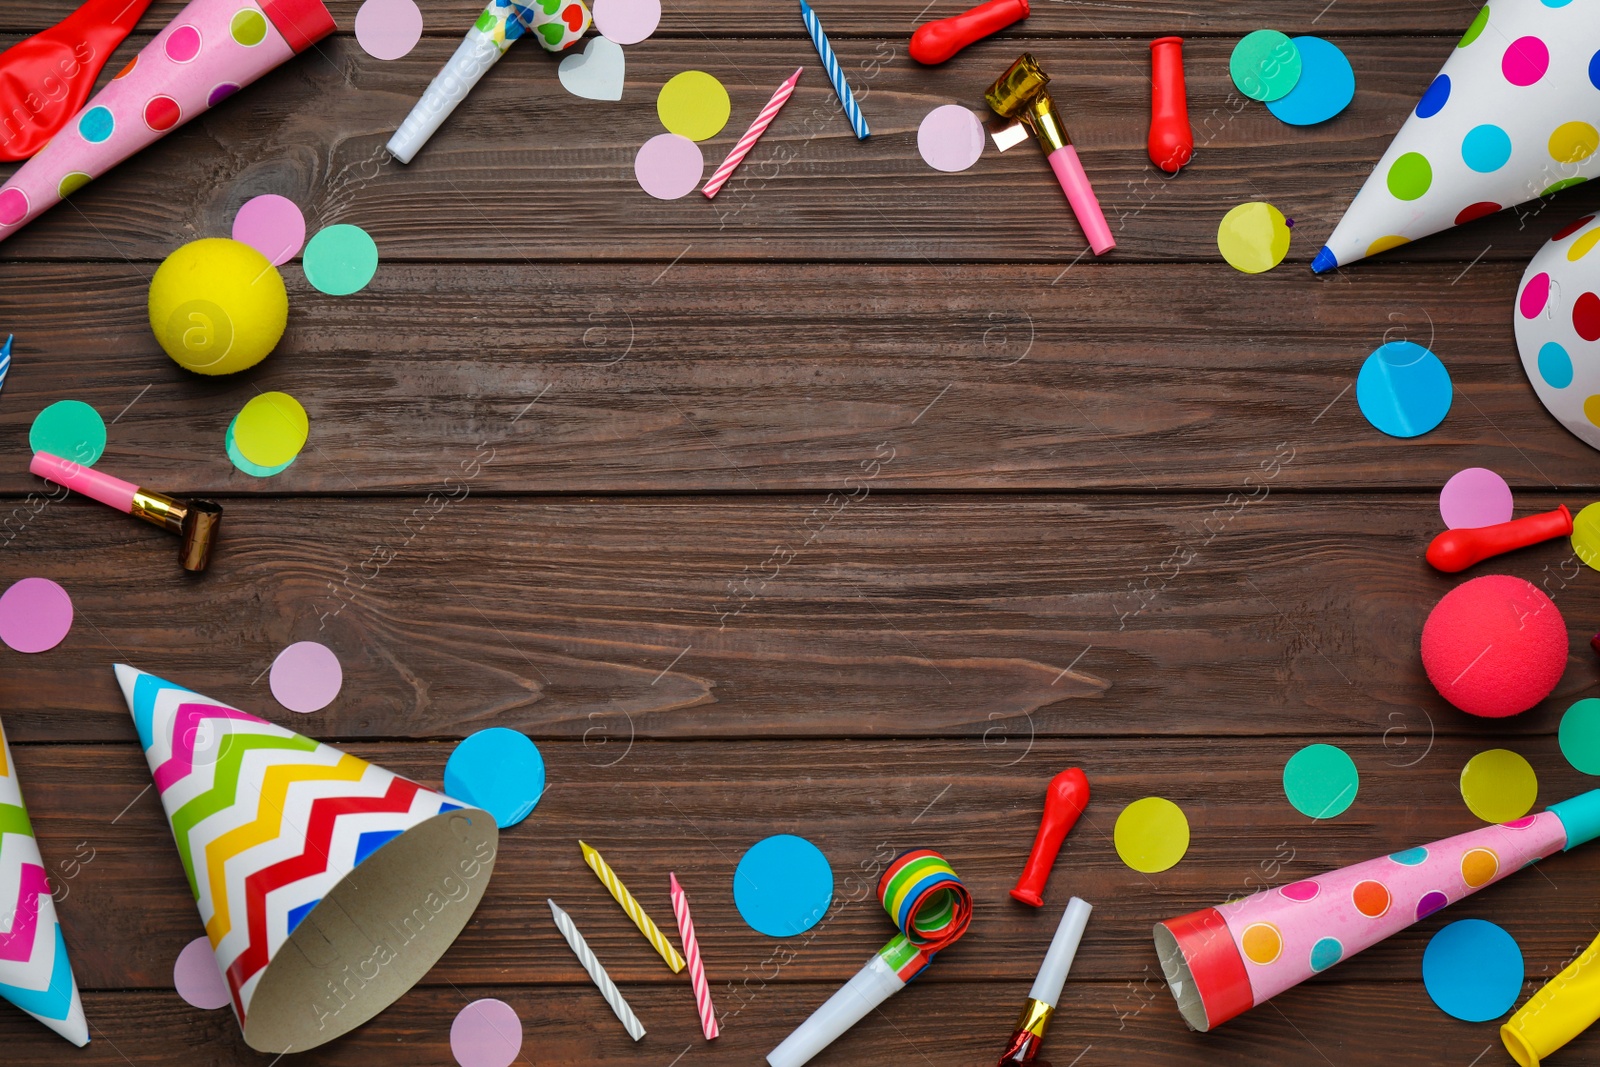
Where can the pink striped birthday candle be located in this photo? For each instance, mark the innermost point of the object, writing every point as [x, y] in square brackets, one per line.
[691, 949]
[751, 136]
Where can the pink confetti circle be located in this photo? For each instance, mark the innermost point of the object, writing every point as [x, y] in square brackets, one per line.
[388, 29]
[626, 21]
[306, 677]
[669, 166]
[1474, 497]
[197, 978]
[35, 615]
[272, 225]
[486, 1033]
[1534, 295]
[950, 138]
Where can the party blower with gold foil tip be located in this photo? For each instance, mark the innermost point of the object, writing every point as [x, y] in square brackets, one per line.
[195, 521]
[1022, 92]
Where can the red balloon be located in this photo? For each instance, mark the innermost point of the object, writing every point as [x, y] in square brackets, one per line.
[1067, 797]
[1456, 550]
[936, 42]
[45, 79]
[1171, 141]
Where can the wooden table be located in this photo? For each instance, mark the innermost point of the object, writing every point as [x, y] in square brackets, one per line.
[855, 504]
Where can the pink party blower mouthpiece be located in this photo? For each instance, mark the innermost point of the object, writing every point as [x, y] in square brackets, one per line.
[208, 52]
[196, 521]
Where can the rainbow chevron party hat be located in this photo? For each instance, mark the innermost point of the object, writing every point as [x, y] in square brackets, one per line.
[328, 886]
[35, 973]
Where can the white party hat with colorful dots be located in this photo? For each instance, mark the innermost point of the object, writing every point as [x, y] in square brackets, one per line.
[1513, 115]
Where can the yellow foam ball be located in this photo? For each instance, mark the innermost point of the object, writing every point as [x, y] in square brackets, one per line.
[218, 306]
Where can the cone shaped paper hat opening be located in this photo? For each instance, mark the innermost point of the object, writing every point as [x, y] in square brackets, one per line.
[328, 886]
[35, 973]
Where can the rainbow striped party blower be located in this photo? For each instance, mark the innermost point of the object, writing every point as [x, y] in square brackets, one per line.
[1223, 961]
[209, 51]
[328, 886]
[932, 910]
[35, 973]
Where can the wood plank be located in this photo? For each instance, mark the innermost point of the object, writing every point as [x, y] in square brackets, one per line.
[945, 1025]
[673, 618]
[695, 807]
[523, 172]
[631, 378]
[1054, 18]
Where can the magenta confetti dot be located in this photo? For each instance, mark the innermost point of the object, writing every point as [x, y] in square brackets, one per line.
[1474, 497]
[1301, 891]
[197, 978]
[13, 206]
[669, 166]
[1534, 295]
[306, 677]
[35, 615]
[486, 1033]
[273, 226]
[388, 29]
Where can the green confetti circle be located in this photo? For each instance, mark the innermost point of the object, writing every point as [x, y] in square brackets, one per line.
[1580, 735]
[1321, 781]
[340, 260]
[1265, 65]
[70, 429]
[1476, 28]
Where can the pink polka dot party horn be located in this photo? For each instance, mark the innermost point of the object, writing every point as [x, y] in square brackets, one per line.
[208, 52]
[1511, 116]
[1223, 961]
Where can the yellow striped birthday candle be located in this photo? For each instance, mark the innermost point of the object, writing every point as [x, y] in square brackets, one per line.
[652, 933]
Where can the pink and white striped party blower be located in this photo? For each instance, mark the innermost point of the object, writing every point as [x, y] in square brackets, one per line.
[208, 52]
[751, 136]
[697, 968]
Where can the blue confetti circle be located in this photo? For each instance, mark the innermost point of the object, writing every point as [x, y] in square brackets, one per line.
[1433, 100]
[783, 886]
[1486, 148]
[498, 770]
[1473, 970]
[1403, 389]
[1327, 85]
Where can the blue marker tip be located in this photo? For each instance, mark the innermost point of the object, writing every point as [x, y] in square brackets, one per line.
[1325, 261]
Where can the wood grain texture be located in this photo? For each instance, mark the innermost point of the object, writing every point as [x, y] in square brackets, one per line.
[525, 172]
[628, 377]
[853, 504]
[714, 618]
[944, 1024]
[695, 807]
[722, 18]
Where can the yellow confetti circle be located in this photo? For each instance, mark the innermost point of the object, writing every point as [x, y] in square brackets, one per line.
[693, 105]
[1586, 530]
[1253, 237]
[1383, 244]
[1151, 835]
[1583, 245]
[1499, 785]
[271, 429]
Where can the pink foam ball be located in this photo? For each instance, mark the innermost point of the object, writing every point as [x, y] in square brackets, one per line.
[1494, 646]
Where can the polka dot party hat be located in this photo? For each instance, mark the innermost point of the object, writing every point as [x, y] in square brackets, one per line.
[1513, 115]
[1557, 320]
[209, 51]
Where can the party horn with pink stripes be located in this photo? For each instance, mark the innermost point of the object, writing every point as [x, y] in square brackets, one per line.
[209, 51]
[1223, 961]
[751, 136]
